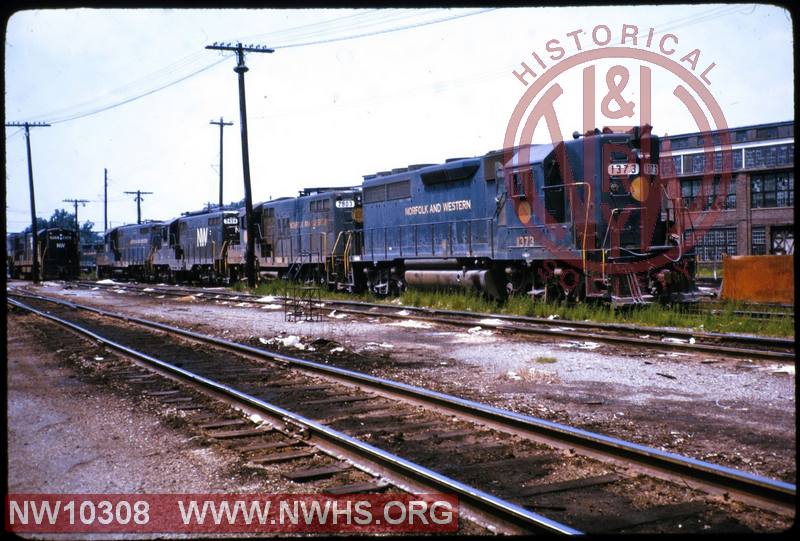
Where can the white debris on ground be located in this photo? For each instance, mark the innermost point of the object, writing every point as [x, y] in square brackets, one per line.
[271, 307]
[492, 321]
[334, 315]
[411, 324]
[579, 345]
[479, 331]
[148, 289]
[780, 369]
[553, 316]
[291, 341]
[397, 301]
[373, 345]
[267, 299]
[244, 304]
[337, 350]
[513, 375]
[672, 340]
[563, 328]
[95, 288]
[106, 281]
[403, 313]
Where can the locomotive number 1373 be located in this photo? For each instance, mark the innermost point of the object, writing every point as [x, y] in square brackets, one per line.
[525, 241]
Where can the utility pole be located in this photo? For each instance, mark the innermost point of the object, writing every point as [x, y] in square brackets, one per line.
[34, 232]
[221, 125]
[240, 69]
[77, 223]
[138, 199]
[105, 201]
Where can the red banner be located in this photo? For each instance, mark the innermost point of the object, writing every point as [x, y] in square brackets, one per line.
[230, 513]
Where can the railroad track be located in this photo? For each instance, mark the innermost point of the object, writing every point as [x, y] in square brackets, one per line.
[748, 346]
[517, 472]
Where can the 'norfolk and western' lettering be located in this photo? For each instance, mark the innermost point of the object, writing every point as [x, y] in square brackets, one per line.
[435, 208]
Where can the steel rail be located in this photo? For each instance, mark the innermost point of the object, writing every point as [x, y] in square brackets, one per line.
[506, 511]
[428, 313]
[711, 476]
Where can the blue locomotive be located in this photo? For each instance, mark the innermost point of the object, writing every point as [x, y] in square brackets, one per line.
[128, 251]
[585, 218]
[57, 253]
[302, 238]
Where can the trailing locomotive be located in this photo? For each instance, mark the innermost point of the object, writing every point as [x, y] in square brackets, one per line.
[57, 254]
[128, 251]
[304, 237]
[195, 247]
[190, 248]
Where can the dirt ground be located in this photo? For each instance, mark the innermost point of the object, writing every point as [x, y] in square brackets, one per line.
[734, 412]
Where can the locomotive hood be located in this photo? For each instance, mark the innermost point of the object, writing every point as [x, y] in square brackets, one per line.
[528, 154]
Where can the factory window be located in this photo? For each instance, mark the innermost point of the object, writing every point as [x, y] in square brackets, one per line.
[325, 204]
[758, 241]
[729, 159]
[782, 240]
[770, 156]
[715, 243]
[692, 189]
[375, 194]
[767, 133]
[698, 163]
[773, 190]
[398, 190]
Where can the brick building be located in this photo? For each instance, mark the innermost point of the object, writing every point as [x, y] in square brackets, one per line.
[756, 215]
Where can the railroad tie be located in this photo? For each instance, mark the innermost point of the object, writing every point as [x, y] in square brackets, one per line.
[356, 488]
[162, 393]
[653, 514]
[573, 484]
[283, 457]
[517, 463]
[337, 400]
[176, 400]
[263, 445]
[225, 422]
[315, 473]
[244, 433]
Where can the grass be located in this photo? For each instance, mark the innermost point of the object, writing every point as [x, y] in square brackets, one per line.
[653, 315]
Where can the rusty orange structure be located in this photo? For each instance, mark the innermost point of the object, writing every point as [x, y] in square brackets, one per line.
[758, 278]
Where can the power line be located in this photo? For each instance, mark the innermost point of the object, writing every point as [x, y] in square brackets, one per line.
[139, 96]
[385, 31]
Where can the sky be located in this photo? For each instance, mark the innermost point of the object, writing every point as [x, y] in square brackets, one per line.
[346, 93]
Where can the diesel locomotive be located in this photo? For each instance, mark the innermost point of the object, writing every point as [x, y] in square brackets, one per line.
[57, 253]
